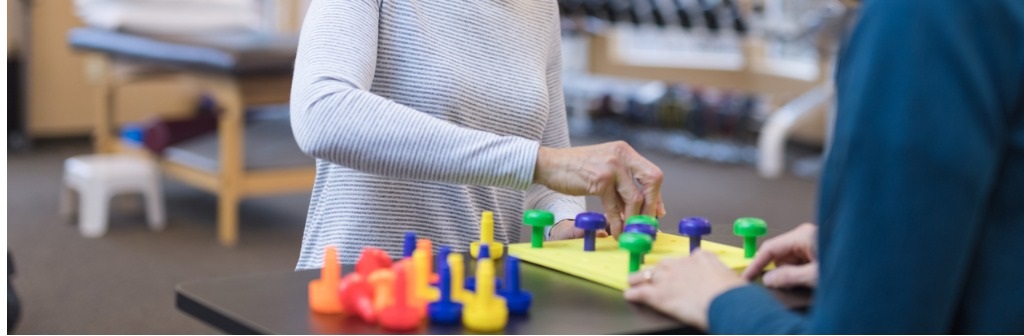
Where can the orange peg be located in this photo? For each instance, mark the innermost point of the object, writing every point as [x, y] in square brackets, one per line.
[382, 281]
[323, 292]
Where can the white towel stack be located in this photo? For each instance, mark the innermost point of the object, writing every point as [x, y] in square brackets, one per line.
[171, 16]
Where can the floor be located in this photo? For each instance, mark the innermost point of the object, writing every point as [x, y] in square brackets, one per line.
[124, 282]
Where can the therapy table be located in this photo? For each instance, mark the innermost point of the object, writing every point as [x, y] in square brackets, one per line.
[239, 70]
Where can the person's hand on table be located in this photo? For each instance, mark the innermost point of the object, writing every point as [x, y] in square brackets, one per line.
[795, 256]
[683, 288]
[626, 182]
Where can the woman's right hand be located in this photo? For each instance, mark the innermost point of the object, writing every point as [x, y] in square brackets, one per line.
[626, 182]
[795, 256]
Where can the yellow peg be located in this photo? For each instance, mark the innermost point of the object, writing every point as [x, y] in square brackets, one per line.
[457, 268]
[412, 288]
[428, 247]
[421, 277]
[487, 237]
[484, 311]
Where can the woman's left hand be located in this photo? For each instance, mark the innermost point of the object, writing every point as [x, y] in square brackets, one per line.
[684, 287]
[566, 229]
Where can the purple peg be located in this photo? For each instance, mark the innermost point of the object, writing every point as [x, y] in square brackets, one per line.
[590, 222]
[694, 227]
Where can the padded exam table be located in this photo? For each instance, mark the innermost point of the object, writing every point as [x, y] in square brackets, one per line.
[240, 70]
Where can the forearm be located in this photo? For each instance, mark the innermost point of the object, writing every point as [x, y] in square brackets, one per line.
[363, 131]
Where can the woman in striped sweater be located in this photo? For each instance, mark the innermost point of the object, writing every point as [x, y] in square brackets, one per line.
[423, 114]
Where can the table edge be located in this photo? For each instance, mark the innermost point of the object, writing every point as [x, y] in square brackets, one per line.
[202, 311]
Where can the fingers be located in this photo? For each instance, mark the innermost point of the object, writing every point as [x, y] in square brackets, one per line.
[638, 182]
[639, 294]
[629, 193]
[612, 211]
[805, 275]
[705, 257]
[793, 247]
[652, 201]
[613, 208]
[762, 258]
[636, 279]
[615, 225]
[650, 178]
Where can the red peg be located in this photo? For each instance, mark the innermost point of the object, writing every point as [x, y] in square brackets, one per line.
[371, 260]
[402, 314]
[356, 296]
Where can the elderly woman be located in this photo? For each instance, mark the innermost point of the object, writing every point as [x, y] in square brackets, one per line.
[423, 114]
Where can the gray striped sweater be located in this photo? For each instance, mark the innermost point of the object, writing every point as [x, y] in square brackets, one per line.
[424, 114]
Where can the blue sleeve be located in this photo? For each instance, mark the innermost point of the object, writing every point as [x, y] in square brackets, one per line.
[925, 89]
[751, 310]
[924, 92]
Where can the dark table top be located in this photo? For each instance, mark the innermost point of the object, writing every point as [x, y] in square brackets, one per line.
[276, 303]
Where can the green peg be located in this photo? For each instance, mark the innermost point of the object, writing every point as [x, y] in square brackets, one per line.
[642, 219]
[637, 244]
[749, 228]
[538, 220]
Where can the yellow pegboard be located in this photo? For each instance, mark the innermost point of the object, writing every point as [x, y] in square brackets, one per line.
[608, 265]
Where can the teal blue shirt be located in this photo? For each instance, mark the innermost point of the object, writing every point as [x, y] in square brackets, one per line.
[921, 207]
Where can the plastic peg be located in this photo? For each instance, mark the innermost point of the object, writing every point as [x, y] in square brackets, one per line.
[383, 282]
[637, 244]
[401, 314]
[422, 264]
[457, 266]
[356, 296]
[537, 220]
[484, 311]
[644, 219]
[590, 222]
[516, 298]
[695, 228]
[749, 228]
[445, 310]
[372, 259]
[409, 244]
[323, 292]
[487, 237]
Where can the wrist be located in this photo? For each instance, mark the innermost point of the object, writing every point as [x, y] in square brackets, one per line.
[552, 228]
[546, 160]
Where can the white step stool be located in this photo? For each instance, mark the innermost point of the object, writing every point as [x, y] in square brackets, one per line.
[97, 178]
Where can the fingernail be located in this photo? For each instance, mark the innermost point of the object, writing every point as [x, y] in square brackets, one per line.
[768, 278]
